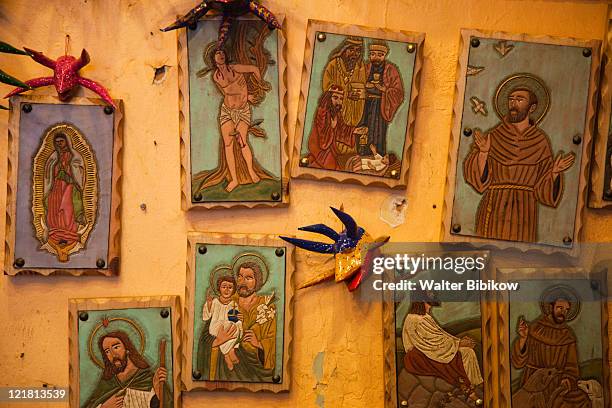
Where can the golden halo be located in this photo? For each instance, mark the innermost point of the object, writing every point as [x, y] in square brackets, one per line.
[219, 271]
[564, 291]
[92, 336]
[251, 257]
[532, 82]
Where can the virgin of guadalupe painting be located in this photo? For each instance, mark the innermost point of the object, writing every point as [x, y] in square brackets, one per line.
[356, 116]
[63, 203]
[235, 117]
[521, 139]
[124, 353]
[65, 191]
[238, 327]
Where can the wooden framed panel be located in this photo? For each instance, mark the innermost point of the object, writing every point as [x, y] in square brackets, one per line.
[521, 140]
[63, 213]
[358, 104]
[450, 321]
[238, 312]
[568, 341]
[236, 102]
[125, 350]
[601, 170]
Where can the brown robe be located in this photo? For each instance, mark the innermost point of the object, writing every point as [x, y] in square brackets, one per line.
[551, 345]
[517, 176]
[417, 363]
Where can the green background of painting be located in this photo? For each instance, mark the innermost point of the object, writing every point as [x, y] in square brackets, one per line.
[565, 118]
[448, 312]
[206, 99]
[224, 254]
[586, 326]
[398, 54]
[151, 323]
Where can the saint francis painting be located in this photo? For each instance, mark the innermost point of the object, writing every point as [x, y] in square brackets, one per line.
[235, 116]
[64, 177]
[554, 333]
[521, 141]
[356, 116]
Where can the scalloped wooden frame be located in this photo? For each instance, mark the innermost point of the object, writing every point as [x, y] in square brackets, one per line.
[195, 238]
[489, 344]
[298, 171]
[597, 198]
[78, 305]
[185, 132]
[503, 347]
[114, 233]
[446, 234]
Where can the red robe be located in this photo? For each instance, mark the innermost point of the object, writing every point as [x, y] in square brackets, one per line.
[324, 135]
[61, 218]
[517, 176]
[393, 96]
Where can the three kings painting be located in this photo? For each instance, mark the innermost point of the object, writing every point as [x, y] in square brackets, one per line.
[358, 88]
[235, 113]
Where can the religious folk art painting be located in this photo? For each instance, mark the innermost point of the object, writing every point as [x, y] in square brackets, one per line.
[63, 196]
[125, 353]
[436, 347]
[238, 324]
[555, 343]
[601, 169]
[521, 139]
[357, 104]
[233, 125]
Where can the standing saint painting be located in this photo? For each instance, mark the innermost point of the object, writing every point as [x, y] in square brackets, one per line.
[513, 165]
[521, 144]
[65, 191]
[234, 83]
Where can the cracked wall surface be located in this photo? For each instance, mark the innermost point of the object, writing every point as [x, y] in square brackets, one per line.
[337, 349]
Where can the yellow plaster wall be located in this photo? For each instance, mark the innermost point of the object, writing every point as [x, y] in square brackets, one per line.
[124, 42]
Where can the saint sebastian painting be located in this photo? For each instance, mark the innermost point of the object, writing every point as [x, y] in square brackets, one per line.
[238, 71]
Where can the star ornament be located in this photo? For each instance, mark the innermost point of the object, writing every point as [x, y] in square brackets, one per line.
[66, 77]
[349, 248]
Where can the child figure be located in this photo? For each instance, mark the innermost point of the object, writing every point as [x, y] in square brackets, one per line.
[218, 310]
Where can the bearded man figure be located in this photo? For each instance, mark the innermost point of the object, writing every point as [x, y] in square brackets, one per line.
[346, 70]
[549, 342]
[127, 380]
[512, 165]
[330, 131]
[256, 352]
